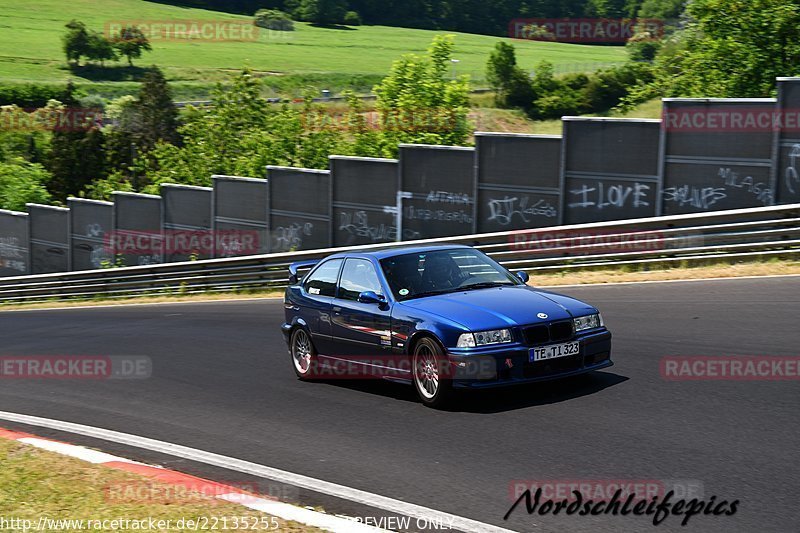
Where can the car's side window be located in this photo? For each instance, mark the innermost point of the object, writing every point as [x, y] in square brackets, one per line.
[358, 276]
[322, 282]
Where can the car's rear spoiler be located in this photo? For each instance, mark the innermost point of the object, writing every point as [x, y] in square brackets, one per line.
[294, 267]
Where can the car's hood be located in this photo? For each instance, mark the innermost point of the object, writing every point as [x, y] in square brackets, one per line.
[500, 307]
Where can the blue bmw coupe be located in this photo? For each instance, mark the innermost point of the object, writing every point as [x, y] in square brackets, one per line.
[439, 317]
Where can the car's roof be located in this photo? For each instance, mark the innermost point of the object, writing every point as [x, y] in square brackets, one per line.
[383, 253]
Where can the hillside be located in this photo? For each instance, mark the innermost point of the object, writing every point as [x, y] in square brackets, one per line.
[30, 50]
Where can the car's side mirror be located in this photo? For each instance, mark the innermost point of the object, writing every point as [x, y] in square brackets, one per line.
[293, 279]
[369, 297]
[523, 276]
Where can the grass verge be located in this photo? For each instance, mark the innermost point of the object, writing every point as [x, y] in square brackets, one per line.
[624, 274]
[35, 483]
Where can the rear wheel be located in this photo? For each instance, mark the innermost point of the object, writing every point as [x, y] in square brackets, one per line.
[304, 357]
[431, 373]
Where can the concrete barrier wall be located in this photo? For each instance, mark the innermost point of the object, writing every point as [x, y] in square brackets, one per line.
[441, 186]
[187, 223]
[364, 200]
[716, 154]
[239, 213]
[137, 232]
[14, 245]
[518, 181]
[610, 169]
[90, 228]
[48, 231]
[299, 208]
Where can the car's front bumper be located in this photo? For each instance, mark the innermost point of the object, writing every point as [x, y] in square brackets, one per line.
[509, 365]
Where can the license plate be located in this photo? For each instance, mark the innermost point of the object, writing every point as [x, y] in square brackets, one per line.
[554, 351]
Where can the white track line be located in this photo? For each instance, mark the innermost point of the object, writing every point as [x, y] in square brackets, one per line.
[281, 476]
[78, 452]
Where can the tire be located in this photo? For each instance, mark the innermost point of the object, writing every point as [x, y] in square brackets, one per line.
[303, 354]
[428, 360]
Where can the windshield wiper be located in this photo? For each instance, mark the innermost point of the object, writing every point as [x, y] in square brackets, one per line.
[427, 293]
[485, 285]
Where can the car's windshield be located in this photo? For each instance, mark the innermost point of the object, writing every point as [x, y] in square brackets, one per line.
[441, 271]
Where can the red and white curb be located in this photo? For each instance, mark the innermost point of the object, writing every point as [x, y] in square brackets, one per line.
[216, 490]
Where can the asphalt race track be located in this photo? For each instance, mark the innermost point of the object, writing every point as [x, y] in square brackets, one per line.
[222, 382]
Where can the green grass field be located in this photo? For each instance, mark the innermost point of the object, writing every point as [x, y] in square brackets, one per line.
[30, 50]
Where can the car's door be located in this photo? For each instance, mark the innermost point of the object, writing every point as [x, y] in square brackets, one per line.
[318, 291]
[360, 329]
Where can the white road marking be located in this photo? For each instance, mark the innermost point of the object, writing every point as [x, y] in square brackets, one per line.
[230, 463]
[78, 452]
[300, 514]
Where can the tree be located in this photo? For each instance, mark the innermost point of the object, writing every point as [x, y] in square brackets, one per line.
[76, 41]
[100, 48]
[661, 9]
[76, 151]
[139, 124]
[324, 12]
[22, 182]
[731, 48]
[157, 116]
[418, 102]
[511, 84]
[131, 43]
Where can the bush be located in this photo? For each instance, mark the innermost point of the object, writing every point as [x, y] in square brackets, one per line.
[518, 91]
[29, 95]
[511, 84]
[352, 18]
[274, 19]
[576, 94]
[643, 49]
[92, 101]
[576, 80]
[608, 87]
[564, 101]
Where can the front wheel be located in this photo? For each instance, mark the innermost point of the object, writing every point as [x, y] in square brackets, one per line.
[304, 357]
[431, 373]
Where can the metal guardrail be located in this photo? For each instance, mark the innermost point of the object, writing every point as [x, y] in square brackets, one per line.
[735, 234]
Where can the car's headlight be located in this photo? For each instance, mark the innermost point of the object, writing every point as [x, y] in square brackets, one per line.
[483, 338]
[583, 323]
